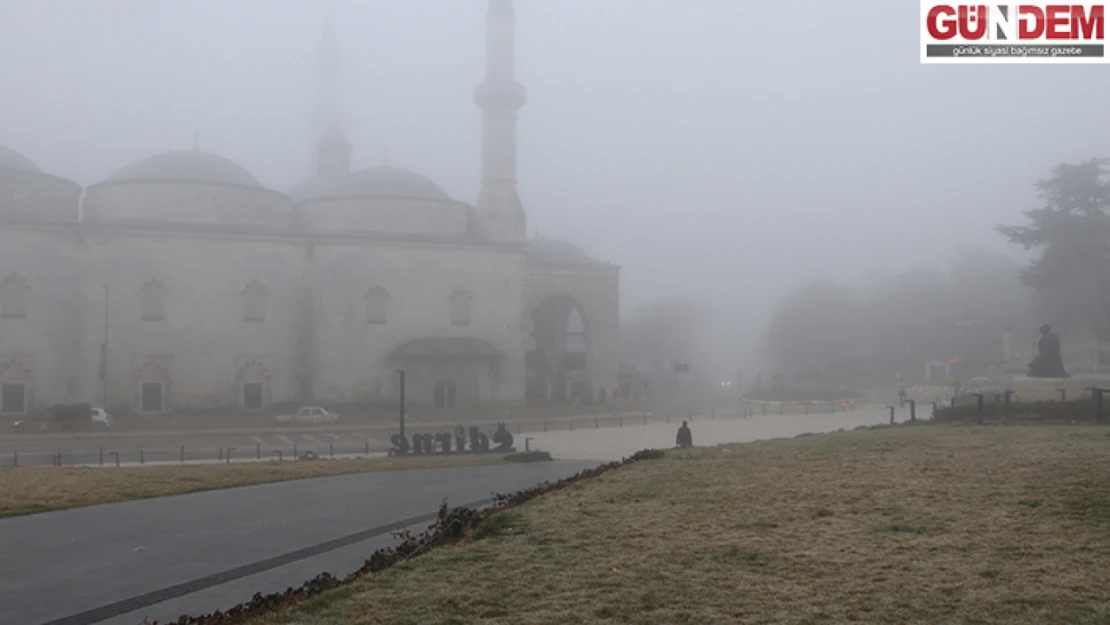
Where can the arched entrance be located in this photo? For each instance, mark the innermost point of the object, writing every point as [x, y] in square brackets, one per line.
[557, 347]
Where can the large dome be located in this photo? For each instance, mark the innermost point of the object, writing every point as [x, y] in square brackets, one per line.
[186, 165]
[384, 181]
[556, 251]
[12, 160]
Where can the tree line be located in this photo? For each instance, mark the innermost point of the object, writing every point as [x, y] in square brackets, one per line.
[845, 335]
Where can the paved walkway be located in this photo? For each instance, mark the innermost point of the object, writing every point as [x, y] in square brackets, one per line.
[83, 566]
[616, 443]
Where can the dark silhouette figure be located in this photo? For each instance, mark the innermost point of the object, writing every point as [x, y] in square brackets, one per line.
[445, 442]
[684, 438]
[1048, 363]
[460, 438]
[503, 438]
[417, 444]
[483, 442]
[400, 445]
[429, 444]
[474, 444]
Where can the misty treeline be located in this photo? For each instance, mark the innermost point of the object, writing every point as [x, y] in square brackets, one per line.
[666, 331]
[1071, 230]
[859, 336]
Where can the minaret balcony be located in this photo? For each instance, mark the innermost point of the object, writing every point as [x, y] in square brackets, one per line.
[501, 96]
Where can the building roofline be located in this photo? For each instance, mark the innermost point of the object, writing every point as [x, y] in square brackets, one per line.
[341, 198]
[218, 183]
[41, 174]
[172, 229]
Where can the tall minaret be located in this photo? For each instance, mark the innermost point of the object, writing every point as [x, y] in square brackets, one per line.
[500, 214]
[333, 150]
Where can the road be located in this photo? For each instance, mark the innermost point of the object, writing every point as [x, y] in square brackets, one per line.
[200, 446]
[342, 439]
[120, 563]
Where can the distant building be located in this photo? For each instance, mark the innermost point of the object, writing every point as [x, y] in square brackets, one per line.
[186, 284]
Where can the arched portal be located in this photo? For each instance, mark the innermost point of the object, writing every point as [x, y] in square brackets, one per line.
[557, 348]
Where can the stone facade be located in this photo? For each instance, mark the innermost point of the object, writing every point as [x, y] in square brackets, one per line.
[182, 284]
[321, 335]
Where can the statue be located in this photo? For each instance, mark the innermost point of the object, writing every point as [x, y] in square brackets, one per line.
[503, 438]
[429, 444]
[1048, 363]
[417, 444]
[475, 445]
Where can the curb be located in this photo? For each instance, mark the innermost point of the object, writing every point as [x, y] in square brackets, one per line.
[450, 527]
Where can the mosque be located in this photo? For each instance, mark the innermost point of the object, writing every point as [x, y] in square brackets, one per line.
[180, 284]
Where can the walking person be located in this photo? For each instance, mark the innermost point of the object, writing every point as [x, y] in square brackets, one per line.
[684, 438]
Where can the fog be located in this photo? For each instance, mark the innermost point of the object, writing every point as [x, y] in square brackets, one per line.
[718, 150]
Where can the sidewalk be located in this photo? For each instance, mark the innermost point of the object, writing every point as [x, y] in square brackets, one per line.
[374, 455]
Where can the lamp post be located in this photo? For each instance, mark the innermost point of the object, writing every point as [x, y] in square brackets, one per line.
[104, 354]
[402, 415]
[966, 325]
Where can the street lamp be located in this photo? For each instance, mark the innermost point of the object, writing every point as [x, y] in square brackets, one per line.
[966, 325]
[401, 372]
[104, 354]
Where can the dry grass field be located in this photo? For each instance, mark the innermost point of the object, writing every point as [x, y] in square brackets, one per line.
[934, 524]
[30, 490]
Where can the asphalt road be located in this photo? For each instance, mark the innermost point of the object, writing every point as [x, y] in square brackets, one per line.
[120, 563]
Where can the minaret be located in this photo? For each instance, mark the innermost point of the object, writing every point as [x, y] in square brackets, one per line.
[500, 214]
[333, 150]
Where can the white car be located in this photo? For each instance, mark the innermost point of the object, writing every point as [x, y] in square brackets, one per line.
[101, 419]
[310, 415]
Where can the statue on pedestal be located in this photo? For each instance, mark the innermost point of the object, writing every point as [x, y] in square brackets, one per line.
[1048, 363]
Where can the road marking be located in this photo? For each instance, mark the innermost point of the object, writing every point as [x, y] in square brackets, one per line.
[313, 439]
[120, 608]
[335, 437]
[361, 435]
[258, 440]
[285, 439]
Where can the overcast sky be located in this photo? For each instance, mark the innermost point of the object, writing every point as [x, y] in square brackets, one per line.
[723, 149]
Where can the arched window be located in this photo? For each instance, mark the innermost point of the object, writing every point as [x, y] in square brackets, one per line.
[153, 294]
[206, 202]
[377, 305]
[445, 395]
[254, 302]
[460, 307]
[14, 290]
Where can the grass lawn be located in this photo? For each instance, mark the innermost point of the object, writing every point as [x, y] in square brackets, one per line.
[29, 490]
[932, 524]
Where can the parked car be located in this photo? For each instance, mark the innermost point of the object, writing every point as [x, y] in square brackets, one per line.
[101, 419]
[310, 415]
[58, 418]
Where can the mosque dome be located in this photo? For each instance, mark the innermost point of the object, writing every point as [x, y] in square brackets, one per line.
[556, 251]
[14, 161]
[384, 181]
[186, 165]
